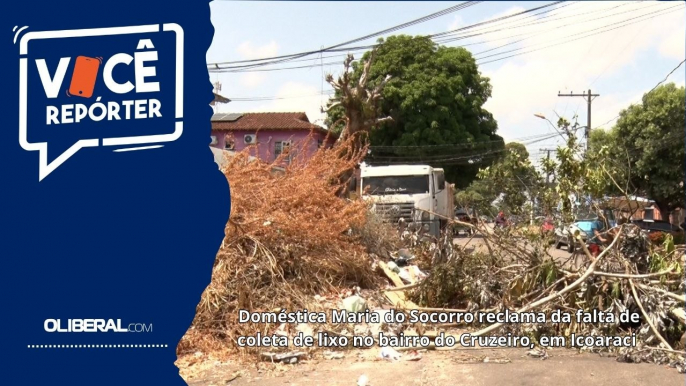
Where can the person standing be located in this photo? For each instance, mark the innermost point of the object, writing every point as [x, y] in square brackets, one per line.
[596, 239]
[500, 220]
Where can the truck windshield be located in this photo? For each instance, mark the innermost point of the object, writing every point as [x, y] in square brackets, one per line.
[380, 186]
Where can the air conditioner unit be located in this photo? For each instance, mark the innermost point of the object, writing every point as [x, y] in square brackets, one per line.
[214, 140]
[250, 139]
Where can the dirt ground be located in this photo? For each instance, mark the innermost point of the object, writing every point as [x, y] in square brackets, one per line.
[473, 367]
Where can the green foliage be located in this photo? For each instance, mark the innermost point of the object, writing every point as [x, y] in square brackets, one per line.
[514, 178]
[657, 237]
[647, 146]
[550, 273]
[478, 195]
[435, 97]
[668, 244]
[444, 288]
[616, 290]
[452, 284]
[570, 168]
[662, 259]
[579, 175]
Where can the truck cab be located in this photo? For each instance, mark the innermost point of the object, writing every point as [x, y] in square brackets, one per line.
[417, 194]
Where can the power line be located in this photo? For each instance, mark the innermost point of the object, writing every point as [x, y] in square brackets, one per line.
[666, 77]
[484, 57]
[537, 33]
[272, 98]
[564, 84]
[337, 47]
[651, 90]
[252, 69]
[440, 158]
[214, 67]
[463, 144]
[282, 58]
[603, 29]
[638, 31]
[589, 100]
[490, 21]
[659, 13]
[537, 22]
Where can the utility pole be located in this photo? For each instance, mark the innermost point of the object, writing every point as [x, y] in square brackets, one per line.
[589, 97]
[547, 174]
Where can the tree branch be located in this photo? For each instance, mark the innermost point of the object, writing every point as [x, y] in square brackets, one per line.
[589, 271]
[646, 317]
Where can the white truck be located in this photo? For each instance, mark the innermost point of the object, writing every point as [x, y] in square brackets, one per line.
[418, 194]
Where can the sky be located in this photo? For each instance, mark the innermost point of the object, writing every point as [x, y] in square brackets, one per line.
[632, 46]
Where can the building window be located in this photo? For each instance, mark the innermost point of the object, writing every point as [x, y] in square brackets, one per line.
[282, 147]
[320, 143]
[649, 214]
[229, 143]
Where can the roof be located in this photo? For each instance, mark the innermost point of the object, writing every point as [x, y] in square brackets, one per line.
[225, 117]
[633, 203]
[265, 121]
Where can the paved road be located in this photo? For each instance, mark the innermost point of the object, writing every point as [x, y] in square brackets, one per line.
[505, 367]
[478, 243]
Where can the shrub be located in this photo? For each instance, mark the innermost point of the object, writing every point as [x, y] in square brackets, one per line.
[657, 237]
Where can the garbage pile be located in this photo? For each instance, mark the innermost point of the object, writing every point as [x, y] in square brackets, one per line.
[516, 273]
[293, 243]
[290, 238]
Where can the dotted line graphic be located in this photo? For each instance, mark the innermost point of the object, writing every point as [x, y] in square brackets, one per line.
[34, 346]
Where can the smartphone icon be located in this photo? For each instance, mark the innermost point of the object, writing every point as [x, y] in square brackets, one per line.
[84, 76]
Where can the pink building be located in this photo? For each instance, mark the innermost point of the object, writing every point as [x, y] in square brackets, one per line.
[268, 135]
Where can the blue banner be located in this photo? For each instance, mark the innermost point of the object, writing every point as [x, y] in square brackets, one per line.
[112, 207]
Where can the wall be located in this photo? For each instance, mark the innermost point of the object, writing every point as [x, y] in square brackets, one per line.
[304, 142]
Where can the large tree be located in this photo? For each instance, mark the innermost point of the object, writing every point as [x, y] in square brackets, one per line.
[648, 146]
[435, 98]
[357, 103]
[514, 179]
[479, 195]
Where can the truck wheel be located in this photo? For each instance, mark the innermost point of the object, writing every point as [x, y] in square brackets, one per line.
[571, 248]
[558, 245]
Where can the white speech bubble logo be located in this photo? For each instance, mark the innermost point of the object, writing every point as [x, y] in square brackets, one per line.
[45, 167]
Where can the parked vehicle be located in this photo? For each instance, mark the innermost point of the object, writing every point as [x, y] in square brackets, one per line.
[547, 225]
[465, 216]
[417, 194]
[584, 226]
[658, 226]
[565, 237]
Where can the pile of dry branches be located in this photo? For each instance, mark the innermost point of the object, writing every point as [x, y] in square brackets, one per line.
[520, 275]
[290, 237]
